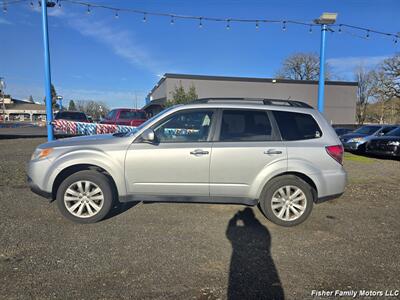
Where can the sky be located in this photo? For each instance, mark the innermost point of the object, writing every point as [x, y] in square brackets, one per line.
[118, 60]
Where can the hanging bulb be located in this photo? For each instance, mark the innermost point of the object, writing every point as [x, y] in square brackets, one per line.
[228, 24]
[116, 14]
[284, 25]
[257, 25]
[31, 4]
[367, 36]
[88, 10]
[4, 7]
[201, 23]
[310, 30]
[144, 18]
[340, 29]
[172, 20]
[395, 40]
[59, 4]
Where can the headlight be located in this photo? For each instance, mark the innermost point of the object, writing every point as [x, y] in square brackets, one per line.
[41, 153]
[356, 140]
[394, 143]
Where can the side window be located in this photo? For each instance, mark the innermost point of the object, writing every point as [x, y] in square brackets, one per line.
[111, 115]
[386, 130]
[297, 126]
[192, 126]
[245, 125]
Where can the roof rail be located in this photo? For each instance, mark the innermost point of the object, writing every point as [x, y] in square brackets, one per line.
[262, 101]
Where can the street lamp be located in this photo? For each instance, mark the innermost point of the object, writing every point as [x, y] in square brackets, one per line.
[60, 99]
[324, 20]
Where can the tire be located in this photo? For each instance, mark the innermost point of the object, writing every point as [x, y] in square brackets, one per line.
[88, 201]
[273, 195]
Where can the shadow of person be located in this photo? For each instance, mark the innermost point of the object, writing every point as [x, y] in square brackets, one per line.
[252, 272]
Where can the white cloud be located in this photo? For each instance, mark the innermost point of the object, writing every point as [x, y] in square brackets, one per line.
[345, 66]
[121, 42]
[5, 22]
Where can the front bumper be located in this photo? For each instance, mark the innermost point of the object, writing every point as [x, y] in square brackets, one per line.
[383, 153]
[37, 190]
[352, 146]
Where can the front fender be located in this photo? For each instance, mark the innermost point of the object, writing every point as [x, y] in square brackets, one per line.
[111, 164]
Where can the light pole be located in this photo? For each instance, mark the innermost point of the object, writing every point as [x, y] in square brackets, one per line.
[2, 87]
[324, 20]
[47, 81]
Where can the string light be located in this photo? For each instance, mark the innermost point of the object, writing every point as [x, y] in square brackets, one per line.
[394, 36]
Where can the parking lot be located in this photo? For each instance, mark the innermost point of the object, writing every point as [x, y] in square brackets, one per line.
[199, 251]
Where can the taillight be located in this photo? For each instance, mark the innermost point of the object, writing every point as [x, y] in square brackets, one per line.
[336, 152]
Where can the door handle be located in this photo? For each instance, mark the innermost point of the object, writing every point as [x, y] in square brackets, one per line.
[273, 151]
[199, 152]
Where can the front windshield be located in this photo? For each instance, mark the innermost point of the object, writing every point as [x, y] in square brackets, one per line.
[136, 129]
[368, 130]
[394, 132]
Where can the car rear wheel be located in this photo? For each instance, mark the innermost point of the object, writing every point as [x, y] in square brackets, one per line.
[85, 197]
[287, 200]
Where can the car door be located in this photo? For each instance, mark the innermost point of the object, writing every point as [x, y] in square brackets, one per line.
[246, 145]
[177, 164]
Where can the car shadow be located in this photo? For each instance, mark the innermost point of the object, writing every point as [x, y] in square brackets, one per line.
[252, 273]
[119, 208]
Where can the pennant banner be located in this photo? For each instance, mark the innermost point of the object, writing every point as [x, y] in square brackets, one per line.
[82, 128]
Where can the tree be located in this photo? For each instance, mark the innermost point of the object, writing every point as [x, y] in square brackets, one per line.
[95, 109]
[180, 96]
[391, 69]
[30, 99]
[302, 66]
[54, 103]
[365, 91]
[71, 105]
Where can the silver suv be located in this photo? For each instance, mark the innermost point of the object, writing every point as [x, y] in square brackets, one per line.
[280, 155]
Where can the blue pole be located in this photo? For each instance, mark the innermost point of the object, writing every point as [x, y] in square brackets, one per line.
[47, 78]
[321, 83]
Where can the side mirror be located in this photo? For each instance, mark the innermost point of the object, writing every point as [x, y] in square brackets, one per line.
[148, 136]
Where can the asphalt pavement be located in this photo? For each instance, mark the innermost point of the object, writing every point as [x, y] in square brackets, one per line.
[198, 251]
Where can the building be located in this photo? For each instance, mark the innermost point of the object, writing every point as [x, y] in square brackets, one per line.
[340, 96]
[20, 110]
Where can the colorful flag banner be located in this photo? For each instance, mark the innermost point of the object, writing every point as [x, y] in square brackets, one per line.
[82, 128]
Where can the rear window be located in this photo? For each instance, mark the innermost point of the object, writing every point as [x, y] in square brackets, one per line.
[394, 132]
[72, 116]
[245, 125]
[132, 115]
[297, 126]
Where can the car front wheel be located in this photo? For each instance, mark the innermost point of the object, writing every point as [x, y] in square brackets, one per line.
[85, 196]
[287, 200]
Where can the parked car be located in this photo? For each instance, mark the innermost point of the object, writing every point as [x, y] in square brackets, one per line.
[387, 145]
[125, 116]
[76, 116]
[283, 157]
[355, 141]
[341, 131]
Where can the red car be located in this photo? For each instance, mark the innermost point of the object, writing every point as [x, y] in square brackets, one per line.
[125, 116]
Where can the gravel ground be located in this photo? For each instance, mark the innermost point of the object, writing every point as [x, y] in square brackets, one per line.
[198, 251]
